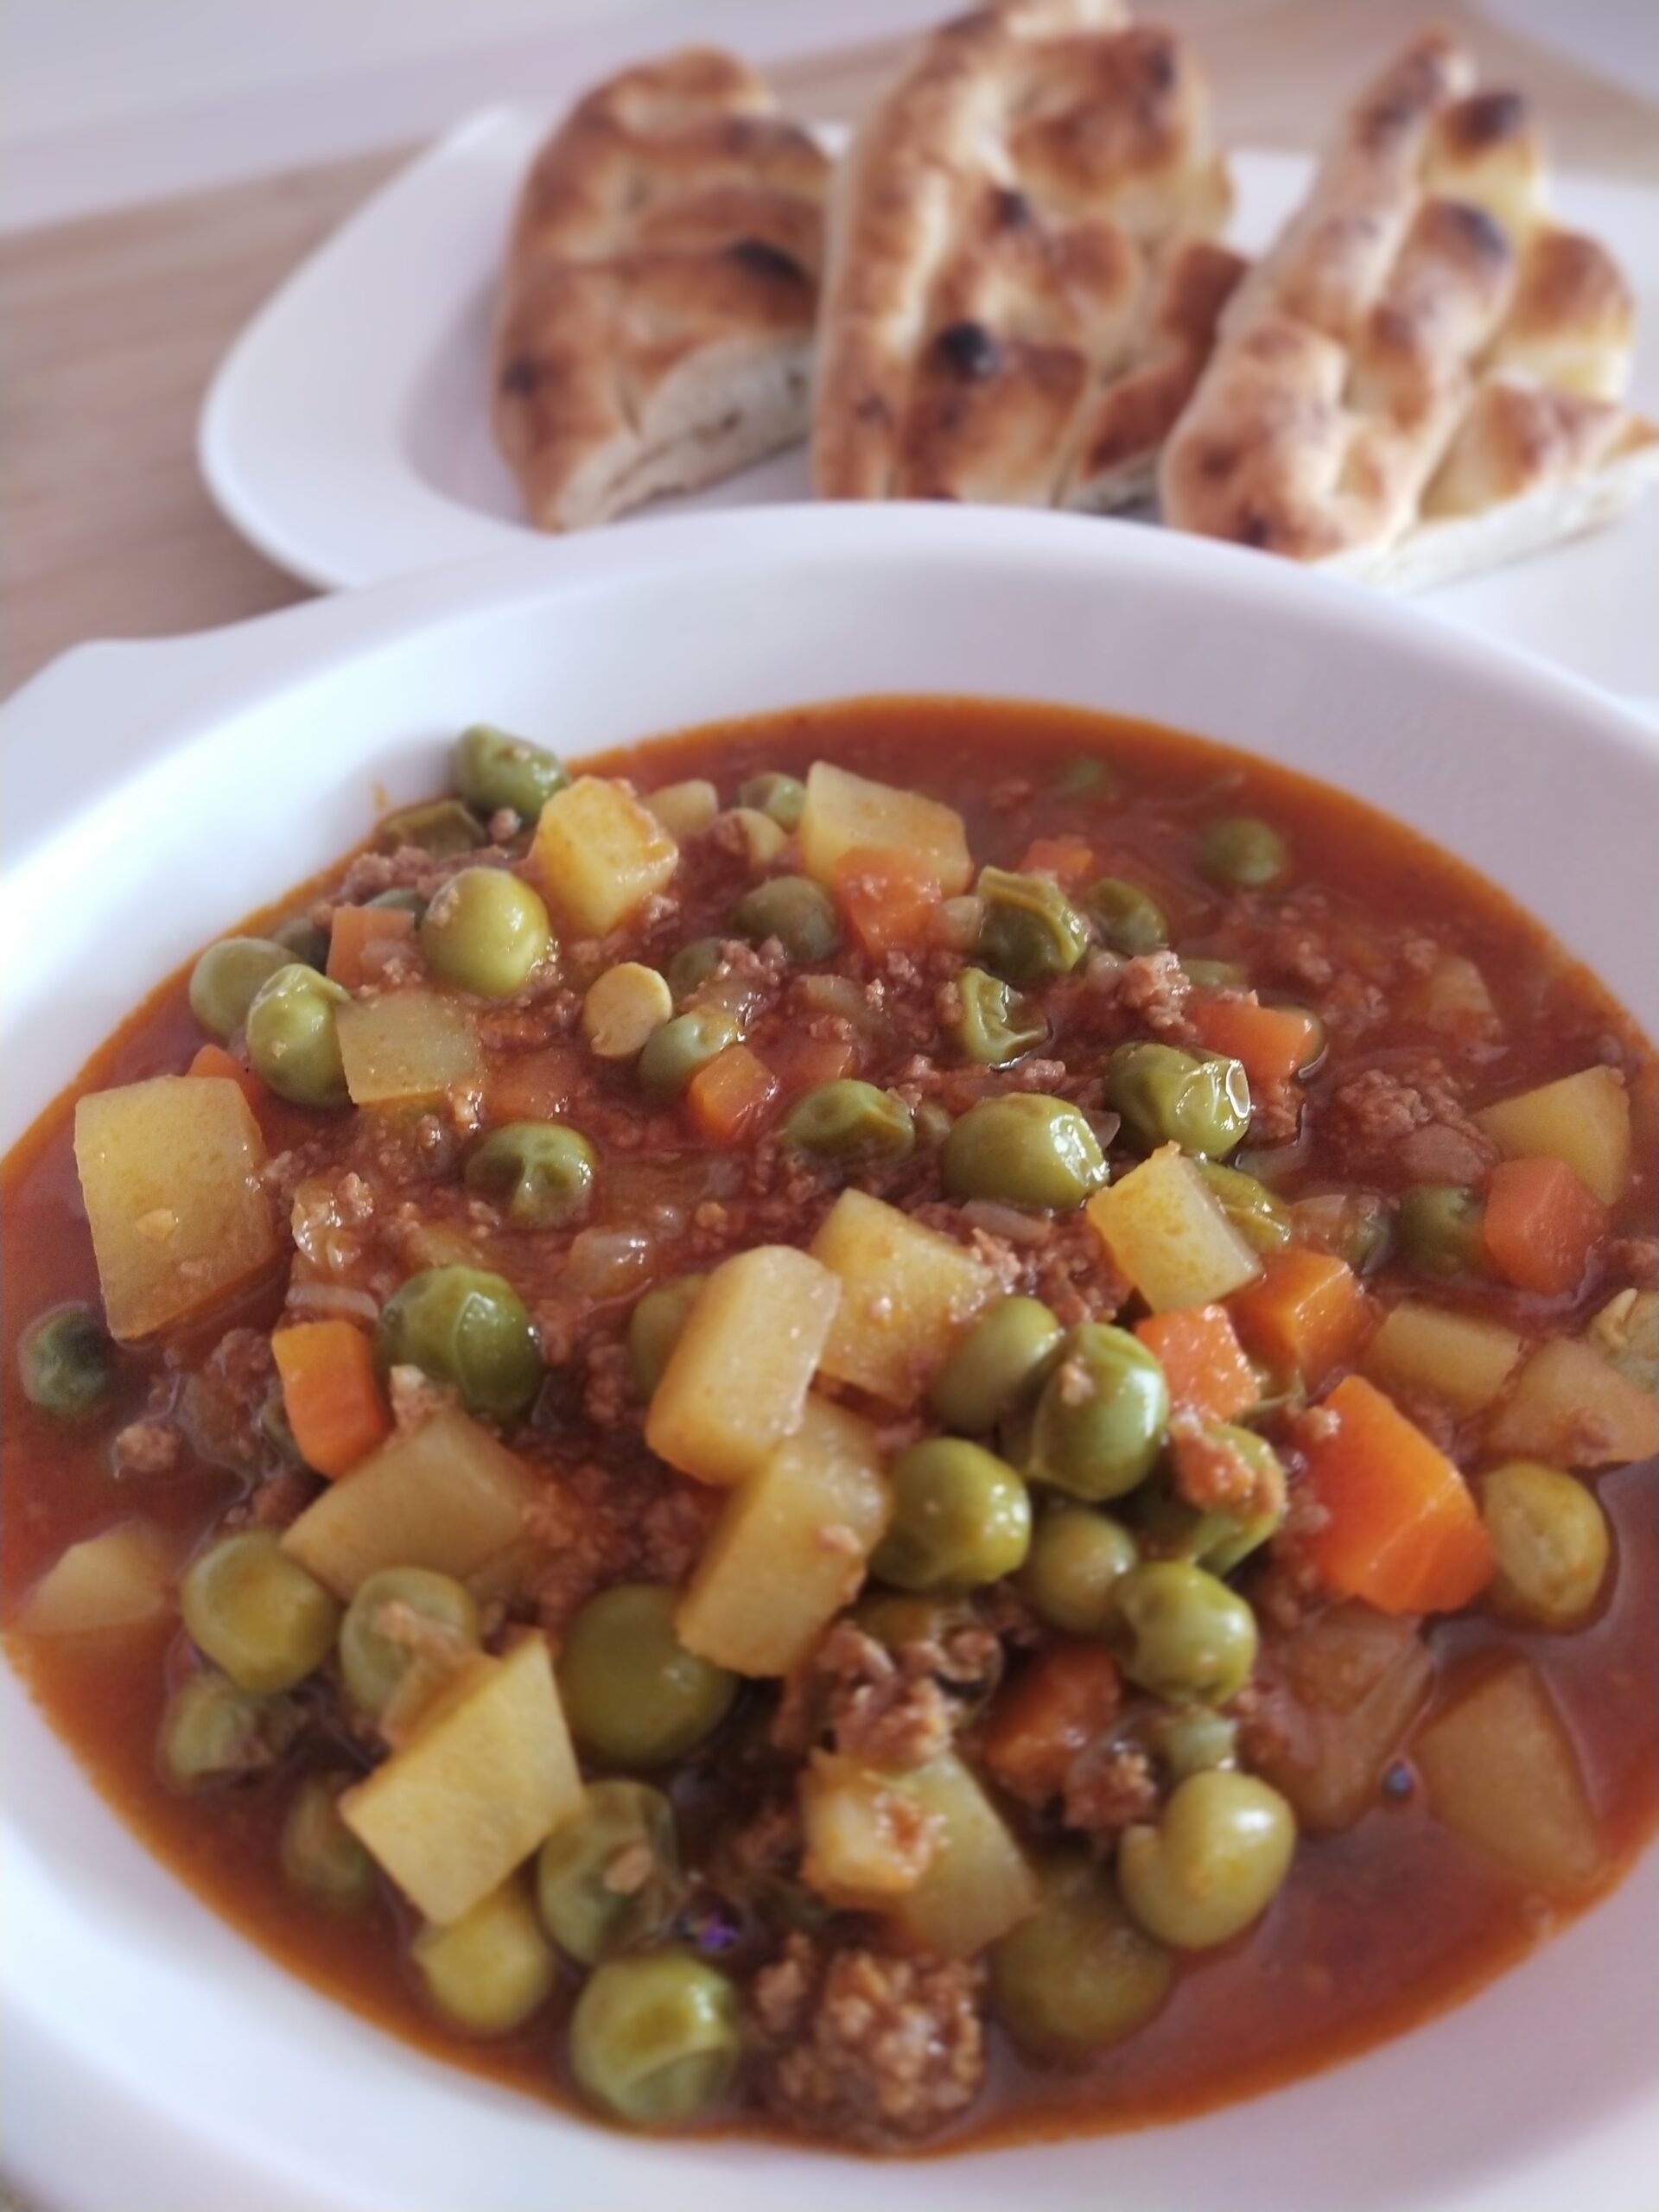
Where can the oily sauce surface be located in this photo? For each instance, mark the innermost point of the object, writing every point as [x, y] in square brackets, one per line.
[1377, 1926]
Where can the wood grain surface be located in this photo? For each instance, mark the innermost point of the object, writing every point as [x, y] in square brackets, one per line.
[111, 328]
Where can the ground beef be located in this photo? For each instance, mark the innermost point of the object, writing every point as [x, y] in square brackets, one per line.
[1407, 1123]
[147, 1448]
[414, 1397]
[1212, 1471]
[868, 2048]
[592, 1525]
[870, 1705]
[281, 1497]
[1109, 1787]
[1153, 987]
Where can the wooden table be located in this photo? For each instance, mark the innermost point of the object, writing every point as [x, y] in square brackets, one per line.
[112, 327]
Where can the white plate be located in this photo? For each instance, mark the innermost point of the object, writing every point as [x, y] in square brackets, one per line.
[155, 2060]
[347, 433]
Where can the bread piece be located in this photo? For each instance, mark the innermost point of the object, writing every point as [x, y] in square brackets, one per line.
[656, 312]
[1021, 286]
[1422, 375]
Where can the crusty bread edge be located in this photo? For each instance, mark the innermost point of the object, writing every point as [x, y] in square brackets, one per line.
[1440, 552]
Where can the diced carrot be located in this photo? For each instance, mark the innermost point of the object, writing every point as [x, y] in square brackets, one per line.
[360, 940]
[1203, 1360]
[1068, 860]
[1541, 1225]
[330, 1393]
[214, 1060]
[1273, 1042]
[1065, 1697]
[729, 1097]
[888, 896]
[1306, 1312]
[801, 1062]
[1401, 1527]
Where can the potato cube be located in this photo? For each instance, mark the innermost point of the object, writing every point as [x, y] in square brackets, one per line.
[1584, 1119]
[488, 1972]
[488, 1774]
[1429, 1352]
[977, 1884]
[446, 1495]
[791, 1547]
[736, 1383]
[868, 1842]
[122, 1577]
[1573, 1408]
[1626, 1332]
[599, 854]
[1500, 1768]
[846, 813]
[907, 1293]
[684, 808]
[1166, 1230]
[406, 1044]
[169, 1170]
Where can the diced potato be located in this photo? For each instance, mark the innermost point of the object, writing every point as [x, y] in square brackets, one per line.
[1167, 1232]
[445, 1495]
[907, 1294]
[1572, 1408]
[406, 1044]
[487, 1776]
[1454, 997]
[684, 808]
[868, 1842]
[599, 854]
[764, 840]
[791, 1549]
[977, 1884]
[737, 1382]
[491, 1969]
[1337, 1697]
[846, 813]
[122, 1578]
[1430, 1351]
[1585, 1119]
[1626, 1332]
[169, 1170]
[1500, 1768]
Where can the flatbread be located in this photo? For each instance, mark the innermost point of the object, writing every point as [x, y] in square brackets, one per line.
[1423, 374]
[656, 322]
[1022, 282]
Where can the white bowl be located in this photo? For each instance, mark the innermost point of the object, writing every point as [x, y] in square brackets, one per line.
[155, 793]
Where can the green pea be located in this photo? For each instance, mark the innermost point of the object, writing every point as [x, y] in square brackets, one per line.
[1024, 1149]
[292, 1040]
[322, 1858]
[1103, 1417]
[656, 2040]
[1214, 975]
[608, 1878]
[403, 899]
[1193, 1739]
[1128, 919]
[213, 1732]
[655, 1325]
[224, 982]
[1221, 1537]
[961, 1516]
[1030, 929]
[851, 1121]
[1242, 853]
[692, 967]
[1070, 1576]
[489, 1971]
[257, 1613]
[65, 1362]
[673, 1054]
[1087, 778]
[486, 930]
[633, 1694]
[466, 1326]
[374, 1657]
[1549, 1540]
[1439, 1229]
[303, 941]
[1167, 1096]
[996, 1027]
[1187, 1637]
[1213, 1864]
[492, 769]
[1260, 1219]
[784, 798]
[999, 1363]
[440, 828]
[1079, 1976]
[544, 1172]
[798, 913]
